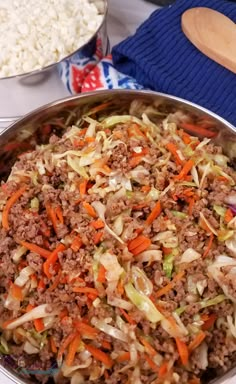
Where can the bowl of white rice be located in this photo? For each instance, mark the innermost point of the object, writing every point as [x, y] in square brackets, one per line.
[39, 41]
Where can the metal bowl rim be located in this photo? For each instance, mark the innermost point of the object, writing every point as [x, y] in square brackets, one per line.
[49, 66]
[114, 92]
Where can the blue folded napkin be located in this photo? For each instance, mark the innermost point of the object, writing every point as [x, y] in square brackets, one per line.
[161, 58]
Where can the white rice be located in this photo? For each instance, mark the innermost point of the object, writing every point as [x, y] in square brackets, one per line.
[36, 33]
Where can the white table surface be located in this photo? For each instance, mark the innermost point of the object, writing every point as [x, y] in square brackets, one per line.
[123, 19]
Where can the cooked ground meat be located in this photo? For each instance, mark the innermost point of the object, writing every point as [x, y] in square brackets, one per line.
[117, 255]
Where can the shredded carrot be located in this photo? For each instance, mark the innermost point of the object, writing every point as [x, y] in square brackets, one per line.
[63, 313]
[123, 357]
[85, 290]
[135, 131]
[52, 259]
[185, 170]
[100, 355]
[146, 188]
[56, 282]
[16, 292]
[97, 224]
[29, 307]
[83, 187]
[59, 214]
[135, 161]
[36, 249]
[65, 344]
[38, 324]
[163, 369]
[154, 214]
[86, 330]
[90, 210]
[209, 322]
[173, 149]
[44, 228]
[6, 323]
[194, 381]
[228, 215]
[74, 345]
[222, 178]
[52, 216]
[186, 138]
[53, 345]
[76, 244]
[182, 350]
[149, 348]
[137, 207]
[79, 143]
[41, 284]
[127, 317]
[152, 364]
[106, 345]
[198, 130]
[197, 341]
[100, 107]
[191, 205]
[209, 245]
[163, 291]
[97, 237]
[101, 274]
[82, 131]
[89, 139]
[120, 288]
[9, 204]
[167, 251]
[139, 244]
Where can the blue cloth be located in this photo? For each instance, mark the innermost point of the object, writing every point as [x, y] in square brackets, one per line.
[160, 57]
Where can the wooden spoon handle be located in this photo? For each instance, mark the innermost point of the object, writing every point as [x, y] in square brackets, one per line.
[213, 33]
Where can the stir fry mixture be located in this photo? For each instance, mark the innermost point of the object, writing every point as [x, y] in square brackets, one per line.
[117, 255]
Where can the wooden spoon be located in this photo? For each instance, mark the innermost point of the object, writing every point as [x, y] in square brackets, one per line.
[213, 34]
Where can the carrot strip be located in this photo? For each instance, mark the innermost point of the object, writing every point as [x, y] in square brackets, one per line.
[53, 345]
[76, 244]
[63, 313]
[41, 284]
[139, 206]
[106, 345]
[6, 323]
[228, 215]
[163, 291]
[74, 345]
[16, 292]
[97, 224]
[55, 283]
[143, 152]
[52, 216]
[209, 322]
[163, 369]
[146, 188]
[100, 356]
[38, 324]
[9, 204]
[86, 329]
[99, 107]
[137, 242]
[65, 344]
[194, 381]
[83, 187]
[135, 161]
[191, 205]
[182, 350]
[197, 341]
[127, 317]
[120, 288]
[185, 170]
[36, 249]
[89, 139]
[123, 357]
[149, 348]
[154, 214]
[198, 130]
[44, 229]
[172, 148]
[59, 214]
[101, 274]
[209, 245]
[97, 237]
[90, 210]
[152, 364]
[135, 131]
[85, 290]
[52, 259]
[186, 138]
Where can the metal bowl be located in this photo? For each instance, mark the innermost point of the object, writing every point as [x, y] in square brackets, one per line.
[28, 132]
[28, 91]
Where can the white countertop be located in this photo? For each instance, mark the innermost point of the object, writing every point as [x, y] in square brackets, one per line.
[124, 17]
